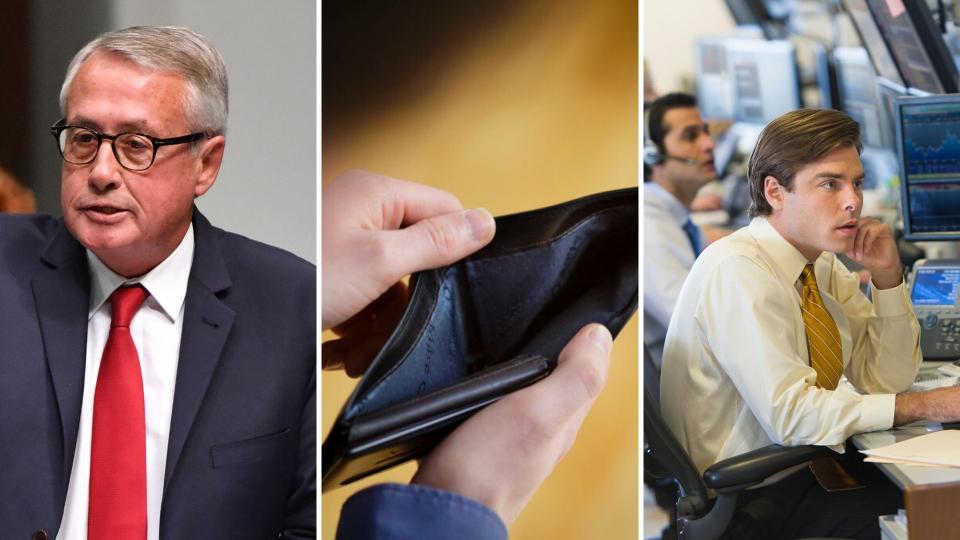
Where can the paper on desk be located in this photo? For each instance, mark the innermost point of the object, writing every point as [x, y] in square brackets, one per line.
[871, 459]
[938, 448]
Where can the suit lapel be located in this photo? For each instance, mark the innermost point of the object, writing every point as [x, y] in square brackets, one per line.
[61, 292]
[206, 324]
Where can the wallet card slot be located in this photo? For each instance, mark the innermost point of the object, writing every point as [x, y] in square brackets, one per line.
[439, 407]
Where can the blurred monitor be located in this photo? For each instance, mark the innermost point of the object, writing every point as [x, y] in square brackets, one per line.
[769, 15]
[827, 87]
[860, 98]
[714, 86]
[879, 166]
[724, 150]
[918, 49]
[748, 11]
[887, 93]
[870, 37]
[928, 143]
[764, 76]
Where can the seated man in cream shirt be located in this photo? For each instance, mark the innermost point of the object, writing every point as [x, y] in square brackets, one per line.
[744, 366]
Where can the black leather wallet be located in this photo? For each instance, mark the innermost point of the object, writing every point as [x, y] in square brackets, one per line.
[490, 324]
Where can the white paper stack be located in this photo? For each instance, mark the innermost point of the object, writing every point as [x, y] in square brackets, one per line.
[937, 449]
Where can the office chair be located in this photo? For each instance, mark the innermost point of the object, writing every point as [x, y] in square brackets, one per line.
[666, 461]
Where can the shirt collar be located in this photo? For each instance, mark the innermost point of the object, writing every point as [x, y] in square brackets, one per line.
[166, 283]
[785, 259]
[675, 208]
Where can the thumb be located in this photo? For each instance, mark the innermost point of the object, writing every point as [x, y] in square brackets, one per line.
[580, 375]
[440, 240]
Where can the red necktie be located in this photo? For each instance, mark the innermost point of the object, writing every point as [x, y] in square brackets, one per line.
[118, 457]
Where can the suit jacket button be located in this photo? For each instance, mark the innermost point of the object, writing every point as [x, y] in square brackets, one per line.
[39, 534]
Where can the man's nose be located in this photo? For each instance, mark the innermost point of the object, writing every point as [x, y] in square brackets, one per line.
[706, 143]
[105, 171]
[852, 199]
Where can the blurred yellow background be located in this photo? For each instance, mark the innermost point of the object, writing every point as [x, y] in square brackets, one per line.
[538, 108]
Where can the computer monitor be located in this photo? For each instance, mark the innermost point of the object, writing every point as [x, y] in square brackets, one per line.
[859, 97]
[928, 143]
[935, 286]
[765, 81]
[714, 84]
[871, 38]
[827, 83]
[887, 93]
[759, 13]
[915, 42]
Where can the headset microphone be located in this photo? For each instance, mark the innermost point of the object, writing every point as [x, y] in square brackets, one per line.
[683, 160]
[652, 156]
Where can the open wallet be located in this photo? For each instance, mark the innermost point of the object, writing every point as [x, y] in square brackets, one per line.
[486, 326]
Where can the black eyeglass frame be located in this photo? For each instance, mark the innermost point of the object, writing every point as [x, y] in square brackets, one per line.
[58, 128]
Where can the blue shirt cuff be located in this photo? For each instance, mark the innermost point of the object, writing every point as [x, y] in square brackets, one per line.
[400, 512]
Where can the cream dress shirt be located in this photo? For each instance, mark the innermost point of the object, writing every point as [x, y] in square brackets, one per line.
[667, 258]
[156, 330]
[736, 374]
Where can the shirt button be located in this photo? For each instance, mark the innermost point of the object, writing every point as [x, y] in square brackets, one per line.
[40, 534]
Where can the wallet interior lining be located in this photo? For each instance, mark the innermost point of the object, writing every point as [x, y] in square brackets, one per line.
[494, 307]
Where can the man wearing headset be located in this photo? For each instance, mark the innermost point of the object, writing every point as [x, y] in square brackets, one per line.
[678, 161]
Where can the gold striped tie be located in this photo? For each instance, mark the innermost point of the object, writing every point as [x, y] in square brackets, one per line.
[826, 358]
[823, 338]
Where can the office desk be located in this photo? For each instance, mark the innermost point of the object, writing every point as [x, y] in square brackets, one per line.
[931, 494]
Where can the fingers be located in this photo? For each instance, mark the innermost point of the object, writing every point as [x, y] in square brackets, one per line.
[581, 370]
[565, 397]
[869, 233]
[436, 241]
[864, 240]
[501, 455]
[352, 354]
[387, 203]
[364, 334]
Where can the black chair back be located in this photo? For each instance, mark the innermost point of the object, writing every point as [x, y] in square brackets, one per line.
[664, 458]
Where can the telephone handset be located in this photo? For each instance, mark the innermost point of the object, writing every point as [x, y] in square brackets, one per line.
[934, 288]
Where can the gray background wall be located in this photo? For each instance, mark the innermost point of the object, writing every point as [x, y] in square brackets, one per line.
[267, 186]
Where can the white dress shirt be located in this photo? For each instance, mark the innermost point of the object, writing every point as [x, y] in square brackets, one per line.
[156, 330]
[736, 374]
[667, 258]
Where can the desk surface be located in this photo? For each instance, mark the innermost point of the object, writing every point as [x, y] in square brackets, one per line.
[906, 476]
[931, 494]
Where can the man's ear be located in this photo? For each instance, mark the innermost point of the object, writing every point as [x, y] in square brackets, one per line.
[210, 158]
[773, 192]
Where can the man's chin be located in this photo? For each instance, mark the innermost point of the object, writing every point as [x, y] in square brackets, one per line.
[98, 240]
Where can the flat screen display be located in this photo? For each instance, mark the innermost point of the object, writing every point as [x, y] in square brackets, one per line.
[935, 287]
[859, 96]
[916, 45]
[765, 82]
[928, 141]
[880, 54]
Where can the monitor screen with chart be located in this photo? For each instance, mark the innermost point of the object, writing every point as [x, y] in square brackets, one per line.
[935, 286]
[928, 146]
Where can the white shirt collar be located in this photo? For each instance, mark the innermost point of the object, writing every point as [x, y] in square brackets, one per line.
[675, 208]
[166, 283]
[783, 256]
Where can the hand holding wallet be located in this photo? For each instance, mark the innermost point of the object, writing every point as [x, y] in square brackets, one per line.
[490, 324]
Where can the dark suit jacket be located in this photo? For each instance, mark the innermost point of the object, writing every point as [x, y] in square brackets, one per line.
[241, 461]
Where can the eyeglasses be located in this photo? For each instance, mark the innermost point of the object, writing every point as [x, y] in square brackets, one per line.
[134, 151]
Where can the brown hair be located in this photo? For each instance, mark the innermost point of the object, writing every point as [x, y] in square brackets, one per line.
[793, 141]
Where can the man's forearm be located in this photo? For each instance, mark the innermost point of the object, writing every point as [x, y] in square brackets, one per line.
[940, 405]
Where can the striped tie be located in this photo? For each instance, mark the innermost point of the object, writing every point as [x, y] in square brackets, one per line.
[826, 358]
[823, 338]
